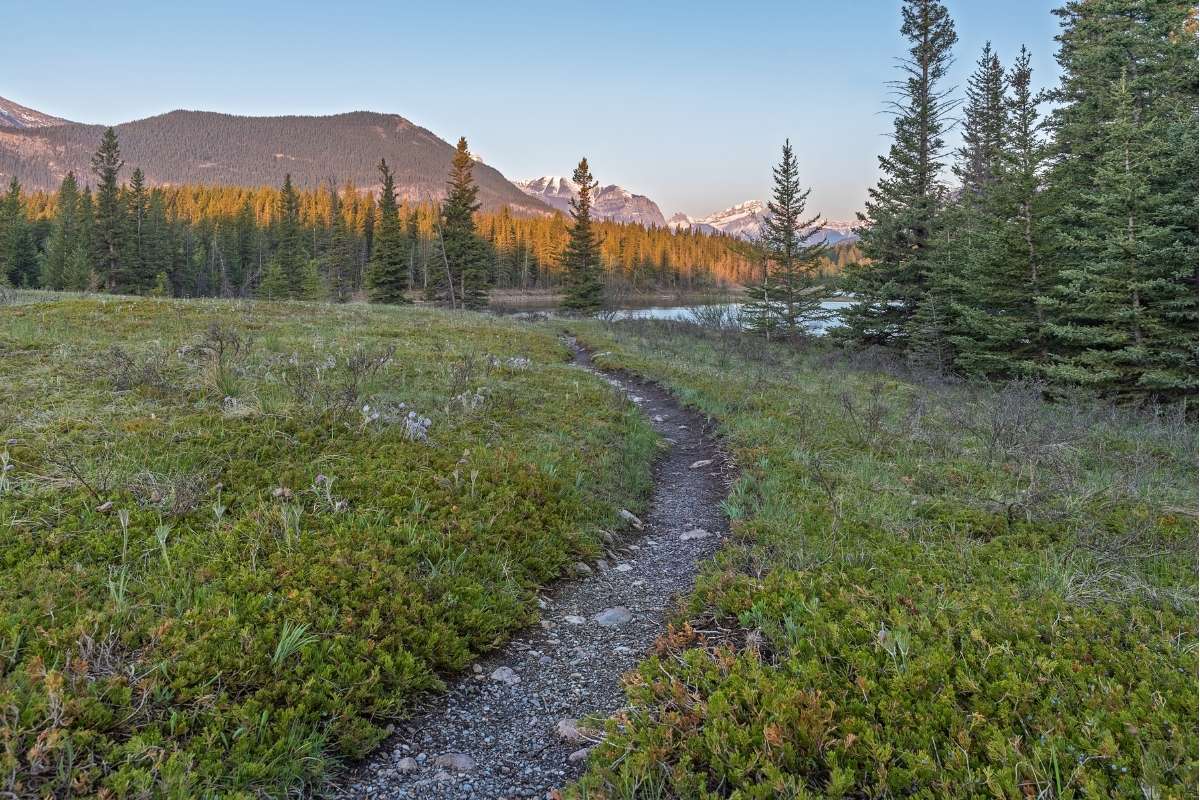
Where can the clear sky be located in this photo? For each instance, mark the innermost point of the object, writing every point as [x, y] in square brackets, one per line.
[687, 102]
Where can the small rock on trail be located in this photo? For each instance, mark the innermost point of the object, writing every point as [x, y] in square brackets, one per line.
[498, 731]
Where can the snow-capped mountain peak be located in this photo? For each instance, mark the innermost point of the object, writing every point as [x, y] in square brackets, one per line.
[610, 202]
[745, 220]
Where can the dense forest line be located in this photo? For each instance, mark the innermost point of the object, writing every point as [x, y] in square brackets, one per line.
[200, 241]
[1066, 249]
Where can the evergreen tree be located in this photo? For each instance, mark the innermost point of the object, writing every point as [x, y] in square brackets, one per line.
[64, 235]
[901, 210]
[984, 126]
[289, 274]
[464, 253]
[790, 295]
[339, 267]
[581, 259]
[389, 256]
[18, 253]
[80, 271]
[136, 260]
[997, 328]
[1122, 317]
[109, 229]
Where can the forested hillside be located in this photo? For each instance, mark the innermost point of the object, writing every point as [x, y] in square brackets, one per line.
[200, 147]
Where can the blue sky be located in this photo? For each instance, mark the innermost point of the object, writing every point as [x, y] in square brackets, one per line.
[687, 102]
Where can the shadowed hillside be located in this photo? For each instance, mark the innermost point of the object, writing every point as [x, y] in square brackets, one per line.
[199, 147]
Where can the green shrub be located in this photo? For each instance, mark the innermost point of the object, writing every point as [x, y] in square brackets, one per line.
[917, 605]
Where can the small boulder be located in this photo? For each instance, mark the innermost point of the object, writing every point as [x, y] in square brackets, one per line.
[455, 762]
[694, 533]
[568, 731]
[579, 755]
[582, 568]
[574, 619]
[704, 462]
[407, 765]
[631, 518]
[612, 617]
[506, 676]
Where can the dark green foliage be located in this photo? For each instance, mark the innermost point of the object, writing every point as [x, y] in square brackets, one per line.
[901, 209]
[463, 279]
[18, 255]
[291, 274]
[995, 255]
[108, 233]
[65, 235]
[389, 247]
[1122, 317]
[790, 296]
[584, 292]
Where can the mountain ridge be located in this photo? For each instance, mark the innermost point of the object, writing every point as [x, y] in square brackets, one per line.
[610, 202]
[215, 148]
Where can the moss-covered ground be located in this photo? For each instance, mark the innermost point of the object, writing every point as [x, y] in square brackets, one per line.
[238, 539]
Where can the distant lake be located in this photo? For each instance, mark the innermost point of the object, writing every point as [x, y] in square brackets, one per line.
[700, 312]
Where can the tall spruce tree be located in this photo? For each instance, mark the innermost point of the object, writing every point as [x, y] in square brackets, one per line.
[139, 266]
[64, 234]
[1122, 316]
[999, 250]
[290, 274]
[902, 209]
[584, 292]
[339, 259]
[464, 255]
[109, 230]
[389, 254]
[18, 253]
[790, 295]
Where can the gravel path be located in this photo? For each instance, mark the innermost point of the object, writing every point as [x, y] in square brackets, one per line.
[508, 729]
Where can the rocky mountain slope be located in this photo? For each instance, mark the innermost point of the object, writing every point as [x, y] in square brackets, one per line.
[611, 202]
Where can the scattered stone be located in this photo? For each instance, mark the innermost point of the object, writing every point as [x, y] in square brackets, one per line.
[694, 533]
[407, 765]
[582, 568]
[602, 565]
[574, 619]
[659, 418]
[622, 568]
[568, 731]
[104, 507]
[631, 518]
[282, 492]
[477, 669]
[607, 537]
[458, 762]
[612, 617]
[506, 676]
[579, 755]
[704, 462]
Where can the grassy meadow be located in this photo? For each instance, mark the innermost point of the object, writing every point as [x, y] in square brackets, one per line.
[237, 539]
[935, 589]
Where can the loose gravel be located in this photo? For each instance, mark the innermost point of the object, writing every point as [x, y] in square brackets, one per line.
[512, 728]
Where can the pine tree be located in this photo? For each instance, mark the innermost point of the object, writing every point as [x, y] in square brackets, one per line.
[901, 210]
[109, 230]
[18, 253]
[136, 259]
[389, 255]
[339, 262]
[581, 260]
[463, 253]
[1122, 317]
[790, 294]
[997, 329]
[289, 274]
[64, 235]
[80, 273]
